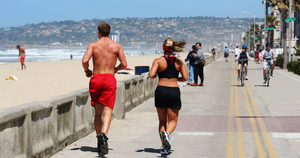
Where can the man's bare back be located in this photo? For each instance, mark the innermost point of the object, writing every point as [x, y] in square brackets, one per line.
[105, 53]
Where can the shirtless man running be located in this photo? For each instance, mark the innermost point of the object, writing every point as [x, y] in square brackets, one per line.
[21, 56]
[103, 84]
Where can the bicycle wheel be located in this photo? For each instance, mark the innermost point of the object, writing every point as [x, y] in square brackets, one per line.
[268, 77]
[242, 77]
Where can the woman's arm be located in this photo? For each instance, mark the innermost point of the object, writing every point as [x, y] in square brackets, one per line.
[153, 70]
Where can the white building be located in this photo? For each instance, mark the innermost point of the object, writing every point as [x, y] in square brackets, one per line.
[115, 36]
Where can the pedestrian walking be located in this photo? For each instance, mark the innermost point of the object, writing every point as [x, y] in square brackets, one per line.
[226, 53]
[191, 64]
[198, 71]
[167, 93]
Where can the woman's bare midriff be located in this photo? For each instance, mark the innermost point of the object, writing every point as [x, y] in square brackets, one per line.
[168, 82]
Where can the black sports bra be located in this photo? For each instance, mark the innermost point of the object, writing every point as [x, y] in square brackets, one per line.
[170, 71]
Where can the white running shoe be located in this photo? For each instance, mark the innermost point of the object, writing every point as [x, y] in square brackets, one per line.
[246, 78]
[164, 151]
[264, 81]
[166, 139]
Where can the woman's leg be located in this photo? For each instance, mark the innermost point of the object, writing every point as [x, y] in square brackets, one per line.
[172, 120]
[162, 117]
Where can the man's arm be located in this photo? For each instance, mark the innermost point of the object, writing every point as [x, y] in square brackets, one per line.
[122, 59]
[274, 53]
[85, 60]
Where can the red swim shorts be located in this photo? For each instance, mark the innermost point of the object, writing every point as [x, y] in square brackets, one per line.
[256, 56]
[103, 89]
[22, 58]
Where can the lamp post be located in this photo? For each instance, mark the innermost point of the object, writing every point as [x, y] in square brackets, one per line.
[253, 28]
[290, 31]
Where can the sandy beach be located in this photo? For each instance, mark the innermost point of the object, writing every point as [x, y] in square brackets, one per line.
[44, 80]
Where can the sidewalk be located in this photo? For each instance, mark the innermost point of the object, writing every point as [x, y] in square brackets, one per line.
[215, 121]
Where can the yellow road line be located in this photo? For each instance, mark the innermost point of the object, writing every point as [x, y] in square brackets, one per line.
[264, 132]
[240, 140]
[230, 149]
[258, 143]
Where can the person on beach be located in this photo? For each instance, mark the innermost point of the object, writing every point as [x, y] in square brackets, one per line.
[167, 93]
[191, 64]
[103, 84]
[71, 56]
[21, 56]
[198, 71]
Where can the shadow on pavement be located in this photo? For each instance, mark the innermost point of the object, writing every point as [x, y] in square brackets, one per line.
[90, 149]
[261, 86]
[151, 150]
[237, 85]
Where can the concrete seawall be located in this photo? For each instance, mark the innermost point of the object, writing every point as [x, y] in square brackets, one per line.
[40, 129]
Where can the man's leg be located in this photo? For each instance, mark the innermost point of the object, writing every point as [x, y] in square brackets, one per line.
[98, 117]
[201, 75]
[196, 72]
[264, 72]
[24, 66]
[105, 123]
[273, 66]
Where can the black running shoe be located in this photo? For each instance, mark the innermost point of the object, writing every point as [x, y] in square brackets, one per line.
[102, 143]
[166, 139]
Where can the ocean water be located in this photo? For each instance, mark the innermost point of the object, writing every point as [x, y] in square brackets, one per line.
[34, 55]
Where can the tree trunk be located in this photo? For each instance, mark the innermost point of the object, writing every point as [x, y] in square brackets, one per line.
[272, 39]
[284, 15]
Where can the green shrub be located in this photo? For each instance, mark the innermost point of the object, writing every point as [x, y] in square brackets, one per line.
[290, 65]
[298, 71]
[279, 62]
[298, 53]
[251, 55]
[294, 66]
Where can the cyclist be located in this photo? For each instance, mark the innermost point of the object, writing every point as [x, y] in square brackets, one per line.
[268, 54]
[243, 55]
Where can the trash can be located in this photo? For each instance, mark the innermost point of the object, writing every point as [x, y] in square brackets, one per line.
[141, 69]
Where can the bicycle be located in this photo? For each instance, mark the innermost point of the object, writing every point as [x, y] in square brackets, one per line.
[268, 73]
[242, 71]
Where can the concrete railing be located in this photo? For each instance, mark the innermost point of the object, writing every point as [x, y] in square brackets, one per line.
[40, 129]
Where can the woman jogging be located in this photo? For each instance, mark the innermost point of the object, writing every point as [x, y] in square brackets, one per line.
[167, 94]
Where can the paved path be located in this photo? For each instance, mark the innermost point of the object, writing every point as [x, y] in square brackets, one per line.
[218, 120]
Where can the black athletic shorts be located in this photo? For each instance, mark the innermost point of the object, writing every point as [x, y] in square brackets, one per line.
[240, 62]
[167, 97]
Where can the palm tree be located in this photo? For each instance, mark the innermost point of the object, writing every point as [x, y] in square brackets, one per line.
[271, 22]
[283, 7]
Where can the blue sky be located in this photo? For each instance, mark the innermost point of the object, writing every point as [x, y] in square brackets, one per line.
[22, 12]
